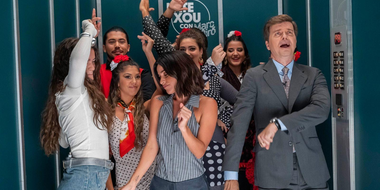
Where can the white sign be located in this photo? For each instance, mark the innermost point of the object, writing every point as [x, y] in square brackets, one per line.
[197, 16]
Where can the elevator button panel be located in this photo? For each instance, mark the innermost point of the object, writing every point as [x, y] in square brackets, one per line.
[340, 112]
[338, 69]
[340, 72]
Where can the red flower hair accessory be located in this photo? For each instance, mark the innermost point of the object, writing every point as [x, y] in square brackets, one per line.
[184, 30]
[297, 55]
[234, 33]
[117, 60]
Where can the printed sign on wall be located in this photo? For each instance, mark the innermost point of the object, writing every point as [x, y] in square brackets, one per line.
[200, 14]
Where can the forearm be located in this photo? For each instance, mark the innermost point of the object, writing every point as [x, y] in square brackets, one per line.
[78, 62]
[227, 91]
[217, 65]
[149, 154]
[309, 116]
[79, 57]
[144, 13]
[151, 60]
[109, 184]
[225, 115]
[313, 114]
[161, 44]
[163, 25]
[196, 146]
[243, 109]
[169, 13]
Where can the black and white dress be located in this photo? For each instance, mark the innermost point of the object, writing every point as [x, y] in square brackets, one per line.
[125, 166]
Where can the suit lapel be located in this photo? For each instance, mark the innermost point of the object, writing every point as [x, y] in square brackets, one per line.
[274, 82]
[296, 83]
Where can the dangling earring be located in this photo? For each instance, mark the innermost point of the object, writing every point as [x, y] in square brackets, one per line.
[118, 92]
[225, 61]
[201, 61]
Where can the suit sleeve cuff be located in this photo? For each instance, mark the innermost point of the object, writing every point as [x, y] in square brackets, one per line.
[230, 175]
[283, 127]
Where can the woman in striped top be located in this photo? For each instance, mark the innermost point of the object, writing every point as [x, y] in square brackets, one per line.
[181, 126]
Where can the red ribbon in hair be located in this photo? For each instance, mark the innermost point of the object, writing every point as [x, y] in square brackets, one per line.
[184, 30]
[237, 33]
[119, 58]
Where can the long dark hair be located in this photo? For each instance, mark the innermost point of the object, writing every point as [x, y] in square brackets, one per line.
[246, 64]
[229, 75]
[179, 65]
[113, 98]
[50, 128]
[199, 37]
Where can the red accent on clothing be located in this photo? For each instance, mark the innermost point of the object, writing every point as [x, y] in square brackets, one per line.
[105, 79]
[129, 142]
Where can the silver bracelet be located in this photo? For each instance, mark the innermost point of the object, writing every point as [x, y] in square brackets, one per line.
[86, 34]
[93, 42]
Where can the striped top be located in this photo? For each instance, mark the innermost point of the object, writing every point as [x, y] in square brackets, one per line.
[176, 162]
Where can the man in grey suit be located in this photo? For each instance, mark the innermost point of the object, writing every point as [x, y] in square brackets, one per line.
[287, 100]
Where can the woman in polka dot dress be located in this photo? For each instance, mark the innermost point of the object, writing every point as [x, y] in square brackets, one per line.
[194, 43]
[129, 132]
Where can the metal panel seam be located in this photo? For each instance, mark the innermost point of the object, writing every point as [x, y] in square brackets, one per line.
[20, 120]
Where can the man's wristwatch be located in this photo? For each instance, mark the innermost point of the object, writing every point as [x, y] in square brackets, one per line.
[275, 121]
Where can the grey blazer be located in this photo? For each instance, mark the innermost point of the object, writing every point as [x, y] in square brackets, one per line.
[308, 105]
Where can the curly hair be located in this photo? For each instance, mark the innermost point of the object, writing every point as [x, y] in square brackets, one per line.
[50, 129]
[113, 98]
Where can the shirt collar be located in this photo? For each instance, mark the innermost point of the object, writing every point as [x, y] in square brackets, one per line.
[279, 67]
[193, 100]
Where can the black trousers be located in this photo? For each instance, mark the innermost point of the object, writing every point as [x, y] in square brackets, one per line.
[298, 182]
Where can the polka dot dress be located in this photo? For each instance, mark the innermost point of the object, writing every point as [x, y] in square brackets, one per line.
[163, 25]
[161, 44]
[125, 166]
[212, 161]
[213, 158]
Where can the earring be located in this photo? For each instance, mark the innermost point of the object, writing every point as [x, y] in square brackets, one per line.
[225, 61]
[201, 61]
[118, 92]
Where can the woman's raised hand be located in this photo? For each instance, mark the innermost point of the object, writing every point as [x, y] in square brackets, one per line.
[144, 8]
[218, 54]
[183, 116]
[177, 5]
[95, 21]
[146, 42]
[88, 26]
